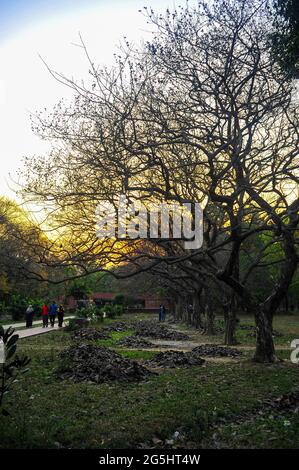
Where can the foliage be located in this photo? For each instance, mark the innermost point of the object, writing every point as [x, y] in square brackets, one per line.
[4, 286]
[72, 325]
[79, 290]
[119, 299]
[286, 36]
[12, 366]
[2, 308]
[22, 247]
[112, 311]
[118, 309]
[91, 312]
[17, 306]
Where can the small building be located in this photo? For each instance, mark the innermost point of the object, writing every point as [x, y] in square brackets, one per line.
[137, 303]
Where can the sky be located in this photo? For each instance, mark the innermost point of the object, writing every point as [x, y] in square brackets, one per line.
[33, 28]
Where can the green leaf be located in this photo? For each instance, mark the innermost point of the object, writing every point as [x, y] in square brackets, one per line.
[11, 352]
[8, 333]
[12, 341]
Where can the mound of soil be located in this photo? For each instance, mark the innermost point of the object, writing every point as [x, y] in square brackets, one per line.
[118, 326]
[155, 330]
[90, 334]
[175, 359]
[134, 342]
[89, 363]
[213, 350]
[284, 403]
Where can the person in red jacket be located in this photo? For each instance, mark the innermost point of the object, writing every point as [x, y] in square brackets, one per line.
[45, 315]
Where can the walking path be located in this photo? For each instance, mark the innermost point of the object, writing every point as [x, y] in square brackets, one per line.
[24, 332]
[36, 331]
[35, 323]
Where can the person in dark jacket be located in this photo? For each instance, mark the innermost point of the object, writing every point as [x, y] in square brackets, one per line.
[60, 315]
[162, 313]
[52, 313]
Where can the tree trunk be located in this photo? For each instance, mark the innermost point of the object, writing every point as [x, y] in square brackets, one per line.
[197, 321]
[230, 327]
[286, 304]
[230, 322]
[188, 314]
[184, 316]
[210, 320]
[179, 309]
[265, 351]
[171, 305]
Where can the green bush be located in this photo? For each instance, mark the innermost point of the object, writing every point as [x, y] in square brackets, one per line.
[112, 311]
[119, 299]
[91, 312]
[108, 310]
[17, 307]
[119, 310]
[72, 325]
[2, 308]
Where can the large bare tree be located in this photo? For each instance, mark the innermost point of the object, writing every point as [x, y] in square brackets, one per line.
[203, 110]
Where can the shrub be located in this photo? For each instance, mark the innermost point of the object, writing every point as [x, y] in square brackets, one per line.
[119, 299]
[2, 308]
[17, 307]
[119, 310]
[72, 325]
[11, 365]
[109, 310]
[112, 311]
[91, 312]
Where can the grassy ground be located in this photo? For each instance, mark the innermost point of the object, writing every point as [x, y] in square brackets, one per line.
[216, 405]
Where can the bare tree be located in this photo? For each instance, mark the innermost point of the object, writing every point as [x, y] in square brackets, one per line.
[201, 111]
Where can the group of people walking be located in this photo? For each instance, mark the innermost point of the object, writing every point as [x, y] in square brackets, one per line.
[48, 313]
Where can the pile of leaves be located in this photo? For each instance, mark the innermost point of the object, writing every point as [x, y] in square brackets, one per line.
[117, 326]
[246, 327]
[284, 403]
[213, 350]
[175, 359]
[134, 342]
[90, 334]
[152, 329]
[96, 364]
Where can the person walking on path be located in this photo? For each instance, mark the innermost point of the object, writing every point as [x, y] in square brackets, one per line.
[52, 313]
[161, 313]
[60, 315]
[29, 316]
[45, 315]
